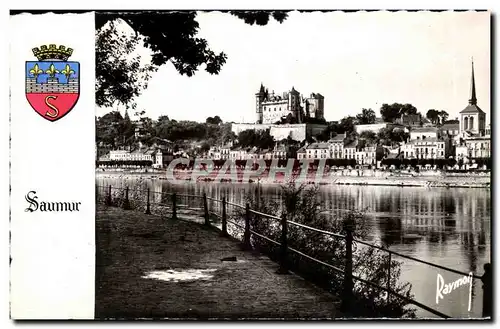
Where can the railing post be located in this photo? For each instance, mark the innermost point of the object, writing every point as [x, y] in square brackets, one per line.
[205, 207]
[174, 206]
[487, 291]
[126, 204]
[108, 197]
[389, 277]
[224, 217]
[148, 206]
[283, 269]
[347, 296]
[246, 235]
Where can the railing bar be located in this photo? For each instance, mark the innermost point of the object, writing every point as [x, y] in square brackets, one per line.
[316, 260]
[317, 230]
[235, 204]
[427, 308]
[240, 226]
[160, 202]
[213, 199]
[191, 195]
[418, 260]
[264, 215]
[265, 237]
[371, 245]
[164, 193]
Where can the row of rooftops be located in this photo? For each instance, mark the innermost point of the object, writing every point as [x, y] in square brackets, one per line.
[256, 150]
[426, 140]
[272, 97]
[143, 150]
[326, 146]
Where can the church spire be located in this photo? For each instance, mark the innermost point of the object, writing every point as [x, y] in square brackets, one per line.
[473, 99]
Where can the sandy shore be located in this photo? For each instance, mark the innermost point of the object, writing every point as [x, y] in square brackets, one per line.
[434, 179]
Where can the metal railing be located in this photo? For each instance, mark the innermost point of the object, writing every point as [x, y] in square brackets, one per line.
[347, 271]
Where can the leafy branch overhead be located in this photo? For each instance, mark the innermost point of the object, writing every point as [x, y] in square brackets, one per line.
[121, 74]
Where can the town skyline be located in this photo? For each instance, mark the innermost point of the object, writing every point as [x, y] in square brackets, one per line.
[436, 70]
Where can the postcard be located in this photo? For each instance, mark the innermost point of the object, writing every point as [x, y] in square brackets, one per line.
[250, 165]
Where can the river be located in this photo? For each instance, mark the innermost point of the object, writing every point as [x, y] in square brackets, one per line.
[446, 226]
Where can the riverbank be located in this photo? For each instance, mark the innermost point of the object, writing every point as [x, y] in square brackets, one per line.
[353, 177]
[152, 267]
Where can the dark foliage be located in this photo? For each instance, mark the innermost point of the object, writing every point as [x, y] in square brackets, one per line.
[216, 120]
[259, 138]
[367, 116]
[394, 111]
[436, 117]
[170, 37]
[346, 125]
[392, 136]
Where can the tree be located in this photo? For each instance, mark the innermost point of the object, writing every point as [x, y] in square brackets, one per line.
[394, 111]
[433, 116]
[437, 117]
[265, 140]
[107, 128]
[260, 138]
[379, 153]
[330, 131]
[369, 136]
[214, 121]
[163, 118]
[226, 135]
[392, 136]
[367, 116]
[399, 135]
[121, 73]
[443, 116]
[204, 147]
[389, 113]
[351, 137]
[346, 125]
[408, 109]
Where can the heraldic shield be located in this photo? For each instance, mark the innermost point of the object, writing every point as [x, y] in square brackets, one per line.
[52, 82]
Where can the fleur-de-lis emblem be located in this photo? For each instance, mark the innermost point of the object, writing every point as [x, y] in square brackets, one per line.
[36, 71]
[52, 71]
[67, 71]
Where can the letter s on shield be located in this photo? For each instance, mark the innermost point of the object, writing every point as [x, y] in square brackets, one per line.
[52, 82]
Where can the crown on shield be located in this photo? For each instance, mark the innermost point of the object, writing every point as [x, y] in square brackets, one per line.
[51, 52]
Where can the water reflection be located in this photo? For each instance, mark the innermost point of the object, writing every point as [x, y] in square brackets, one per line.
[450, 227]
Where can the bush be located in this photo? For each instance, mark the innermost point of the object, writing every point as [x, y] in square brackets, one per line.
[301, 205]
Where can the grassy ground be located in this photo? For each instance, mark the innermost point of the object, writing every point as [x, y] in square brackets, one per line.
[130, 244]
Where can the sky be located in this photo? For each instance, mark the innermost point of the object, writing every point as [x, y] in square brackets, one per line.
[355, 60]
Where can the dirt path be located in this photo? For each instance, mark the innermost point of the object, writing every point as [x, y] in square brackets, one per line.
[130, 245]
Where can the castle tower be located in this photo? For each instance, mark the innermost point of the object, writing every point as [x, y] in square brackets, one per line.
[294, 104]
[259, 98]
[315, 106]
[472, 118]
